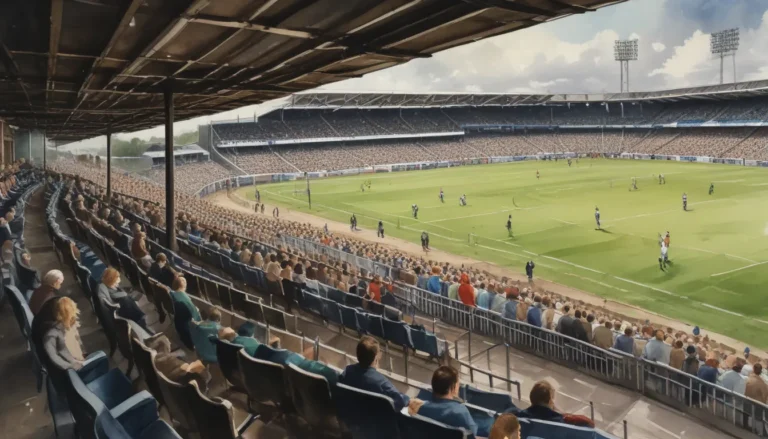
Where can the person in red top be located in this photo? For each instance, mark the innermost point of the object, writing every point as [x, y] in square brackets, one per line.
[374, 289]
[466, 291]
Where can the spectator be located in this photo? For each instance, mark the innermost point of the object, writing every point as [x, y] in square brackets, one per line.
[542, 407]
[285, 270]
[374, 289]
[645, 337]
[298, 274]
[529, 266]
[161, 272]
[434, 285]
[311, 280]
[184, 311]
[522, 306]
[577, 328]
[60, 317]
[466, 291]
[586, 321]
[273, 269]
[444, 406]
[139, 250]
[484, 298]
[110, 292]
[534, 313]
[176, 369]
[708, 372]
[364, 375]
[691, 362]
[656, 349]
[565, 322]
[506, 426]
[510, 306]
[624, 342]
[453, 289]
[602, 336]
[47, 290]
[732, 379]
[677, 356]
[549, 313]
[756, 388]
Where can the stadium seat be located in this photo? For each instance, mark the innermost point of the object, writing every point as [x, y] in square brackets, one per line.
[311, 398]
[426, 342]
[493, 401]
[365, 415]
[20, 310]
[533, 428]
[275, 317]
[265, 384]
[107, 427]
[349, 318]
[313, 303]
[215, 416]
[177, 400]
[227, 354]
[202, 339]
[331, 311]
[106, 313]
[483, 419]
[225, 297]
[376, 326]
[125, 330]
[419, 427]
[144, 358]
[398, 333]
[238, 299]
[254, 309]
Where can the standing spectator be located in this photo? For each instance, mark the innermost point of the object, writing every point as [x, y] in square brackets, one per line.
[433, 283]
[374, 289]
[565, 322]
[677, 356]
[506, 426]
[483, 297]
[466, 291]
[184, 311]
[691, 362]
[444, 406]
[497, 304]
[47, 290]
[364, 375]
[602, 336]
[534, 313]
[510, 306]
[453, 289]
[161, 271]
[549, 313]
[646, 335]
[529, 266]
[656, 350]
[732, 379]
[577, 328]
[756, 387]
[586, 321]
[708, 372]
[624, 342]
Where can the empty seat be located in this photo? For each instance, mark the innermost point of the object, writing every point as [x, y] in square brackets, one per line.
[311, 396]
[177, 399]
[419, 427]
[275, 317]
[108, 427]
[313, 303]
[494, 401]
[215, 416]
[144, 358]
[426, 342]
[238, 299]
[349, 318]
[365, 415]
[125, 330]
[331, 311]
[20, 310]
[227, 354]
[398, 333]
[265, 383]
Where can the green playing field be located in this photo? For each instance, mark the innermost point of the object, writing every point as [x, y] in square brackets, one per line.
[719, 247]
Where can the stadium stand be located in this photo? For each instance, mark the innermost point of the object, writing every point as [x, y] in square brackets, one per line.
[192, 176]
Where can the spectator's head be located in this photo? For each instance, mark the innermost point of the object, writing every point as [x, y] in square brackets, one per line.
[161, 259]
[53, 279]
[247, 329]
[738, 366]
[179, 284]
[298, 269]
[679, 344]
[111, 278]
[368, 352]
[543, 394]
[757, 369]
[590, 318]
[214, 315]
[227, 334]
[628, 331]
[691, 351]
[506, 427]
[566, 309]
[577, 314]
[660, 335]
[311, 273]
[445, 382]
[608, 324]
[66, 312]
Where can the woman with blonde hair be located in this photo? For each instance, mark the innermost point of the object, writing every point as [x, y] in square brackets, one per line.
[110, 292]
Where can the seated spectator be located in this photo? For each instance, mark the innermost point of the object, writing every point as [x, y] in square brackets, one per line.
[466, 291]
[47, 290]
[586, 321]
[602, 336]
[624, 342]
[691, 362]
[174, 368]
[245, 337]
[542, 407]
[756, 388]
[534, 313]
[298, 274]
[311, 280]
[506, 426]
[677, 356]
[549, 313]
[364, 375]
[510, 306]
[445, 406]
[497, 304]
[732, 379]
[646, 334]
[286, 272]
[161, 271]
[184, 311]
[212, 320]
[577, 328]
[139, 250]
[374, 289]
[484, 297]
[434, 285]
[257, 260]
[453, 288]
[273, 269]
[656, 350]
[110, 292]
[565, 322]
[708, 372]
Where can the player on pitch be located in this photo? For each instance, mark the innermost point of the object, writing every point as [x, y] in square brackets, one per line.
[597, 217]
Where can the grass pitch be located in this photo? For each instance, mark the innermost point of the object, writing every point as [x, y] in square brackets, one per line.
[719, 248]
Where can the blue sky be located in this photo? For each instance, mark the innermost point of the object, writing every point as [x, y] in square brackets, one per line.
[575, 55]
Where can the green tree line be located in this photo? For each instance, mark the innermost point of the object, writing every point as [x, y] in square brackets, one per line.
[135, 147]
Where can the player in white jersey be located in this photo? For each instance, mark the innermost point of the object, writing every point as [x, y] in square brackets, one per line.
[663, 257]
[597, 217]
[685, 201]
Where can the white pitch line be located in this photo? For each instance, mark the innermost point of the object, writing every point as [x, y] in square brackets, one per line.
[468, 216]
[571, 263]
[562, 221]
[739, 257]
[649, 287]
[511, 253]
[667, 211]
[597, 282]
[739, 269]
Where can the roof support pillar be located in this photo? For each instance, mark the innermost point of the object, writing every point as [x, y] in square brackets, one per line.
[109, 166]
[45, 152]
[170, 210]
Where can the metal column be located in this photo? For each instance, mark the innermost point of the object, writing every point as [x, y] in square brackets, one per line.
[170, 210]
[45, 148]
[109, 166]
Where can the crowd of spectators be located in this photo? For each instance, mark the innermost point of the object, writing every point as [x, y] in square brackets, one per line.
[259, 160]
[712, 142]
[193, 176]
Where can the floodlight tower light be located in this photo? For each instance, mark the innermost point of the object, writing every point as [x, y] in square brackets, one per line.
[725, 43]
[624, 51]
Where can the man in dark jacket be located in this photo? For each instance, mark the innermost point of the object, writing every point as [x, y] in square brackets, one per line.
[565, 322]
[529, 266]
[542, 404]
[577, 328]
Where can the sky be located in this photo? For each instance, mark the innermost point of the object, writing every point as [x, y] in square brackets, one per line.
[569, 55]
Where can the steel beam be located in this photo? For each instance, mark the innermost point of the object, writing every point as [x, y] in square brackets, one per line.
[170, 206]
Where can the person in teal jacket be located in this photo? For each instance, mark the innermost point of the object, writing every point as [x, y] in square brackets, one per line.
[184, 311]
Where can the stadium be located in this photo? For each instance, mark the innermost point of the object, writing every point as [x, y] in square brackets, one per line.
[377, 265]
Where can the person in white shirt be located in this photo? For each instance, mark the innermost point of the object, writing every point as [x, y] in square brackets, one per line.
[663, 257]
[732, 379]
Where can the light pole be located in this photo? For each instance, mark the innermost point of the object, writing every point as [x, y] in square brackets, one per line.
[624, 51]
[725, 43]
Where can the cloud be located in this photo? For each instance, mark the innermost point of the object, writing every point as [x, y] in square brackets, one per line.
[687, 58]
[658, 47]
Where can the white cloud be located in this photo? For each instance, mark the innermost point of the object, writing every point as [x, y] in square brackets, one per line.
[658, 47]
[634, 36]
[687, 58]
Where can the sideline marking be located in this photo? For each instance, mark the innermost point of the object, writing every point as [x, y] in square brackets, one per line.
[597, 282]
[669, 211]
[571, 263]
[468, 216]
[739, 269]
[564, 222]
[649, 287]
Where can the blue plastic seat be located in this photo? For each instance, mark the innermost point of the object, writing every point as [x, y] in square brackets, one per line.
[483, 419]
[107, 427]
[494, 401]
[331, 311]
[336, 295]
[556, 430]
[376, 326]
[349, 318]
[363, 324]
[365, 415]
[398, 333]
[201, 338]
[419, 427]
[20, 310]
[313, 303]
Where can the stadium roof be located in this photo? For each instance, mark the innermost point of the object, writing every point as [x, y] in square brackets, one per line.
[81, 68]
[405, 100]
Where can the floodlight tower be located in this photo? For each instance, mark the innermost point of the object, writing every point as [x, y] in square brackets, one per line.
[725, 43]
[625, 51]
